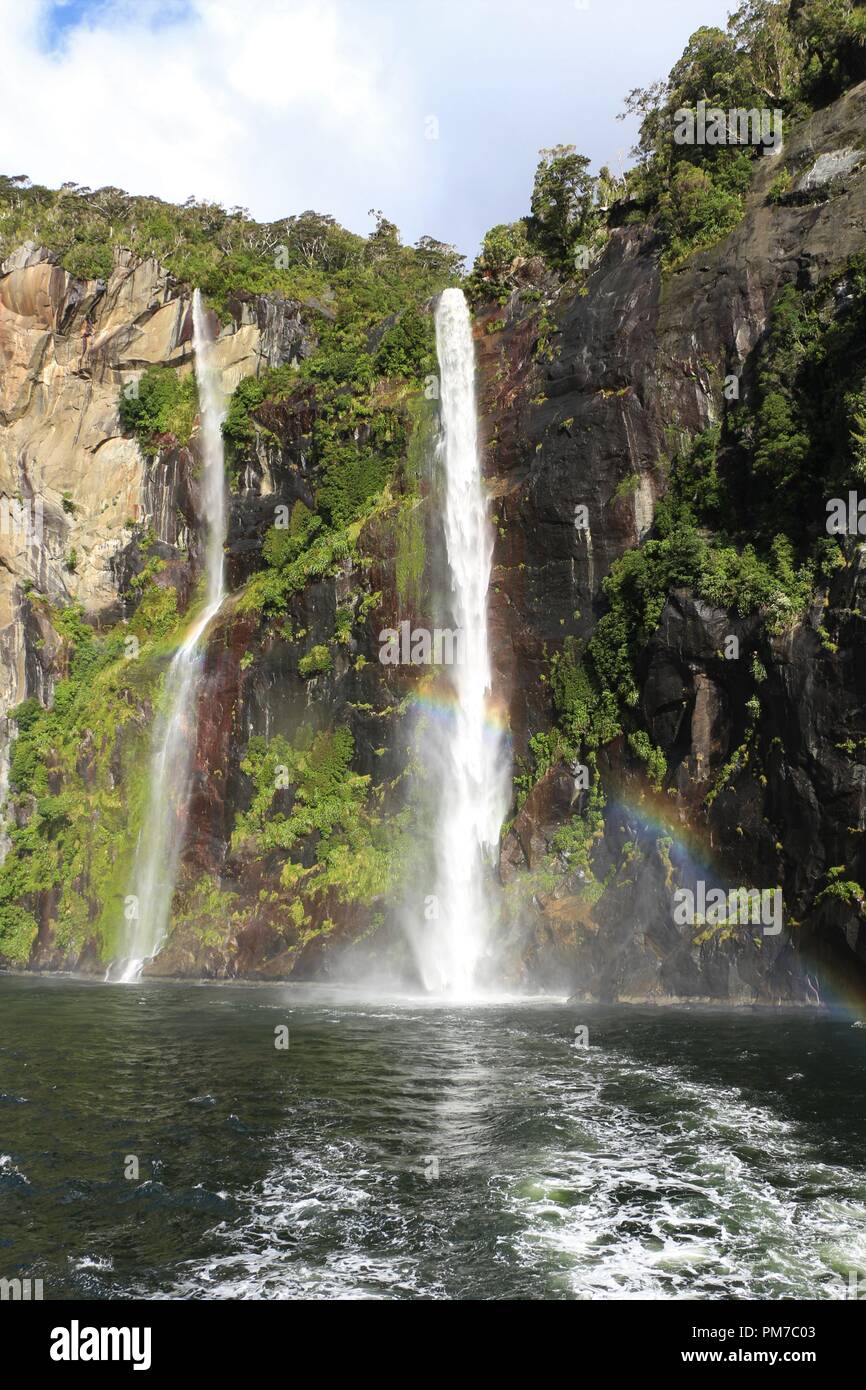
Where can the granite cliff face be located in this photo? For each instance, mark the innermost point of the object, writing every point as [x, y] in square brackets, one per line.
[586, 396]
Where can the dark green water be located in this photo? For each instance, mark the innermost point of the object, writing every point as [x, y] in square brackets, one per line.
[683, 1154]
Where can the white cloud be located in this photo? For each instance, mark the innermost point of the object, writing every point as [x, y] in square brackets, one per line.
[278, 106]
[283, 105]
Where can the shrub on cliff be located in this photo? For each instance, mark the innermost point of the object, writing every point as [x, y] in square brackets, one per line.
[774, 56]
[563, 209]
[317, 661]
[407, 349]
[273, 384]
[503, 248]
[77, 777]
[333, 837]
[698, 208]
[161, 403]
[831, 37]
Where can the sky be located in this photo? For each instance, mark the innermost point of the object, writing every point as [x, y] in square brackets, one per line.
[431, 110]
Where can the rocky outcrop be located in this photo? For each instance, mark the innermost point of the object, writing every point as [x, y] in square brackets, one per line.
[585, 399]
[585, 403]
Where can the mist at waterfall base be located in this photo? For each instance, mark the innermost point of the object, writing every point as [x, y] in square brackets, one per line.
[424, 1150]
[173, 743]
[464, 752]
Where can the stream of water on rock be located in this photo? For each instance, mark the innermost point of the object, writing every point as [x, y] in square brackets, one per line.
[472, 760]
[162, 833]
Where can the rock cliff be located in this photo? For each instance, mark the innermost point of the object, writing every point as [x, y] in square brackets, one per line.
[588, 395]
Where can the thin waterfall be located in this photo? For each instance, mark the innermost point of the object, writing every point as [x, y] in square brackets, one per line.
[163, 830]
[473, 764]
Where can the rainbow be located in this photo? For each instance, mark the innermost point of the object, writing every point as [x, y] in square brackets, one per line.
[440, 706]
[654, 814]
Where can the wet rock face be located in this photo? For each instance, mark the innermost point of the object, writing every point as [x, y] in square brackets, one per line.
[584, 402]
[67, 348]
[564, 427]
[282, 327]
[693, 698]
[548, 807]
[584, 399]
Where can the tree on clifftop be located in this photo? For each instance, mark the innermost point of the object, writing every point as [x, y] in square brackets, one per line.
[563, 204]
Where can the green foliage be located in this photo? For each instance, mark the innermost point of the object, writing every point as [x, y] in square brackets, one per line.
[282, 545]
[562, 205]
[742, 524]
[627, 487]
[411, 551]
[77, 777]
[575, 840]
[501, 247]
[587, 713]
[355, 851]
[799, 444]
[772, 55]
[594, 694]
[18, 931]
[206, 912]
[352, 476]
[699, 207]
[408, 348]
[156, 615]
[226, 253]
[317, 660]
[291, 569]
[545, 750]
[26, 714]
[343, 625]
[777, 55]
[165, 403]
[831, 36]
[273, 384]
[653, 757]
[844, 890]
[780, 187]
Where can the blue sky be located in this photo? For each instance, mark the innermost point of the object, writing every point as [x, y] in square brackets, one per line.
[432, 110]
[61, 17]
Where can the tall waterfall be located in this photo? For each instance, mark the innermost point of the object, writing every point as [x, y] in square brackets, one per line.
[473, 793]
[162, 833]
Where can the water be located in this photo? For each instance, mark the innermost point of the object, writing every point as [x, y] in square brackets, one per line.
[684, 1154]
[161, 839]
[474, 772]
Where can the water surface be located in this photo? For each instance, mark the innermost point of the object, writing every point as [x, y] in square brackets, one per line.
[682, 1154]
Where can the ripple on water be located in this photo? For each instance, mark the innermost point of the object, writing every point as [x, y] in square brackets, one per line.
[725, 1205]
[403, 1150]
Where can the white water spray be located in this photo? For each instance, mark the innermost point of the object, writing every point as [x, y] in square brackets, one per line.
[162, 833]
[474, 785]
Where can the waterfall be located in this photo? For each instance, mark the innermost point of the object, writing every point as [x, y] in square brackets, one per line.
[473, 767]
[162, 833]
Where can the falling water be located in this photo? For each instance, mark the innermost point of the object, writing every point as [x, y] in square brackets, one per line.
[473, 796]
[161, 838]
